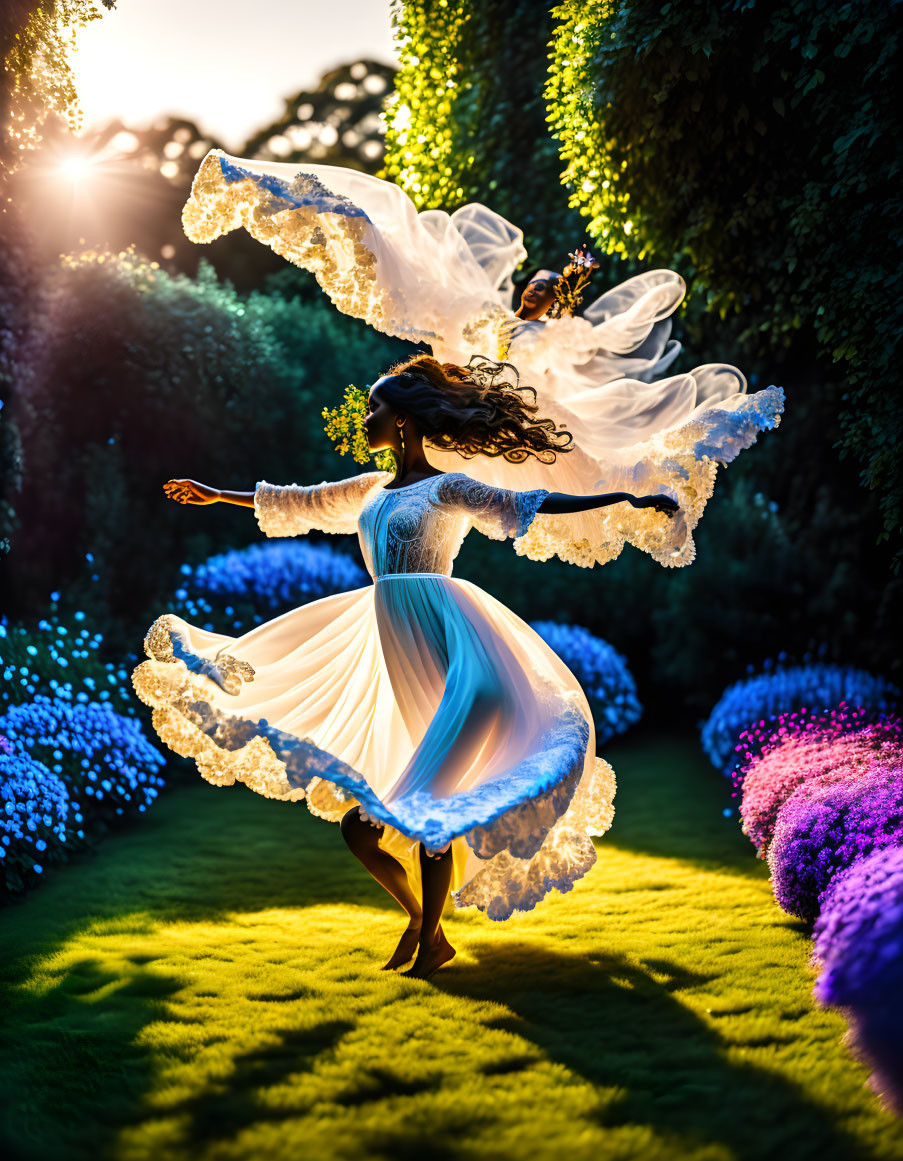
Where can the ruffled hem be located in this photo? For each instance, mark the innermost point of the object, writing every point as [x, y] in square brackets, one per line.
[305, 223]
[507, 822]
[681, 463]
[508, 885]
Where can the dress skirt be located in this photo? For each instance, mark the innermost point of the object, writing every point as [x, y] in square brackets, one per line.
[422, 699]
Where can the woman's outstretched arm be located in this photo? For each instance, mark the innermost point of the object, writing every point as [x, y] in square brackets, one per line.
[193, 492]
[291, 509]
[560, 502]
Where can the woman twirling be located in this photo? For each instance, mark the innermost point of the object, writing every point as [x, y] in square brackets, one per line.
[446, 280]
[454, 746]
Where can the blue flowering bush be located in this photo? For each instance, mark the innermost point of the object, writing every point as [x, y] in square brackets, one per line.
[762, 698]
[35, 809]
[603, 673]
[234, 591]
[60, 660]
[74, 759]
[103, 756]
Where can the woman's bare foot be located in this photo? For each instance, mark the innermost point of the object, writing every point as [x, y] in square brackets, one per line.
[430, 959]
[407, 947]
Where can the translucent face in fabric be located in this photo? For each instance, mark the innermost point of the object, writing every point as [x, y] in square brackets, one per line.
[539, 293]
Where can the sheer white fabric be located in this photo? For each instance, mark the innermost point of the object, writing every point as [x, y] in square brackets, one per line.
[330, 506]
[420, 698]
[445, 279]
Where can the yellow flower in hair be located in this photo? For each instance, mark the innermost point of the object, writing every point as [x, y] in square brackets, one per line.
[345, 424]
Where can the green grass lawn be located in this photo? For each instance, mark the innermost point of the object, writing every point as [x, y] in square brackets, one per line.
[206, 987]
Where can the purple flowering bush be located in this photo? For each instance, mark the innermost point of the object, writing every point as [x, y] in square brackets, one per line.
[822, 830]
[821, 797]
[234, 591]
[859, 948]
[755, 703]
[804, 753]
[606, 679]
[35, 809]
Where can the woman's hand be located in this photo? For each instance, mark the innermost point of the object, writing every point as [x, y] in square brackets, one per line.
[660, 503]
[190, 492]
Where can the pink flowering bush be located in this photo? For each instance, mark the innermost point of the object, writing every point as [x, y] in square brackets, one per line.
[750, 711]
[822, 799]
[859, 946]
[822, 830]
[804, 753]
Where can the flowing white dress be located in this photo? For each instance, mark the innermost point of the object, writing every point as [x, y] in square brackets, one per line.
[446, 280]
[420, 697]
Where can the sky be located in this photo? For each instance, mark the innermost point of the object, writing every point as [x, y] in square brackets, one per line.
[228, 69]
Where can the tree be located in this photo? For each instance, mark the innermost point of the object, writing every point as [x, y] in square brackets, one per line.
[35, 82]
[467, 120]
[133, 376]
[337, 123]
[748, 142]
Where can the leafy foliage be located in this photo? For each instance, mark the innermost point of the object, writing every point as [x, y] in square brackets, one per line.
[336, 123]
[747, 140]
[37, 64]
[132, 376]
[467, 120]
[757, 561]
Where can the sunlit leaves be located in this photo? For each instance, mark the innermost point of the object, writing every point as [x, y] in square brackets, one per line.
[42, 80]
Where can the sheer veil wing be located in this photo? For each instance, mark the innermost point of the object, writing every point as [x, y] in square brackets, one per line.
[665, 438]
[495, 243]
[422, 277]
[599, 377]
[445, 279]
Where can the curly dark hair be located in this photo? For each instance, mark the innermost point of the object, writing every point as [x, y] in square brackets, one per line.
[473, 410]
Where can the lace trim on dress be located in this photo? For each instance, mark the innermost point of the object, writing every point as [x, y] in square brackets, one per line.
[227, 671]
[508, 883]
[681, 463]
[498, 513]
[306, 223]
[331, 506]
[279, 764]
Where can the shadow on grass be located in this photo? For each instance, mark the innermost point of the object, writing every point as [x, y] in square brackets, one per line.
[602, 1018]
[76, 1060]
[70, 1055]
[616, 1026]
[205, 855]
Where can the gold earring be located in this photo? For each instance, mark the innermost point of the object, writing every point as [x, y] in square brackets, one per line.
[400, 427]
